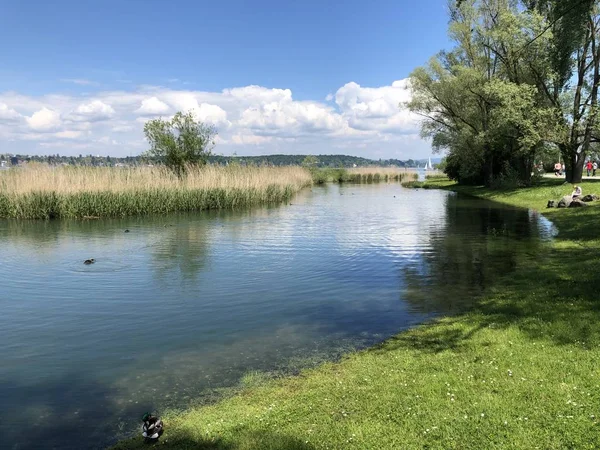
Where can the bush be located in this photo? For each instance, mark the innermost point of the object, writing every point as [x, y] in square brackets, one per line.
[180, 142]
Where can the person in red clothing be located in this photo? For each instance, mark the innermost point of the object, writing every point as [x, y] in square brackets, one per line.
[589, 166]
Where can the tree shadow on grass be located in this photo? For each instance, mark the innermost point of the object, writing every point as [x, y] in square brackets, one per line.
[552, 297]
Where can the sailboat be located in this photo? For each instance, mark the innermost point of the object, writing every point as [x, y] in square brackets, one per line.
[429, 166]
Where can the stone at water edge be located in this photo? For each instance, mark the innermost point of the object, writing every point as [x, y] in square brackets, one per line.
[577, 203]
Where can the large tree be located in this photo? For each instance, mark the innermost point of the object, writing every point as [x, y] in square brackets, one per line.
[477, 101]
[180, 141]
[521, 76]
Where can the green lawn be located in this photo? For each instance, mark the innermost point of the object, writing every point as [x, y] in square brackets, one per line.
[519, 371]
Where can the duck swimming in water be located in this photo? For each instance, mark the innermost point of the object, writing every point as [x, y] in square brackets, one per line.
[89, 261]
[152, 427]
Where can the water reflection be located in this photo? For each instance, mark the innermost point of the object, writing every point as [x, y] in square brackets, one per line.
[182, 251]
[182, 306]
[478, 243]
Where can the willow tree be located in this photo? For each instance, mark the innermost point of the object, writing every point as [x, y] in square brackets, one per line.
[477, 100]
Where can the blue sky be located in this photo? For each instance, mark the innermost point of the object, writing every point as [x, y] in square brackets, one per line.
[302, 77]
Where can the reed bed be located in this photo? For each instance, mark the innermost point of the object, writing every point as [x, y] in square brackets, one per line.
[45, 192]
[377, 174]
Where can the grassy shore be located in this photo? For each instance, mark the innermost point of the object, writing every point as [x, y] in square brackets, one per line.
[43, 192]
[521, 370]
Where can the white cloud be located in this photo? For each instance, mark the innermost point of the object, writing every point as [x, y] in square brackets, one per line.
[122, 128]
[377, 109]
[211, 113]
[152, 107]
[93, 111]
[365, 121]
[44, 120]
[8, 114]
[253, 94]
[69, 134]
[250, 139]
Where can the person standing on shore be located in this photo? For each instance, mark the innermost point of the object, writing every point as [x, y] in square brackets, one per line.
[589, 166]
[594, 167]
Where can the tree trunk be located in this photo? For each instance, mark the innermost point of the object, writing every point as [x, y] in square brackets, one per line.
[525, 169]
[488, 166]
[574, 163]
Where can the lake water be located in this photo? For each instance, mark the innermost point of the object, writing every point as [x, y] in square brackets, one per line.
[184, 305]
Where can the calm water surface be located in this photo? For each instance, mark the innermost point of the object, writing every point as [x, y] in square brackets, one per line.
[184, 305]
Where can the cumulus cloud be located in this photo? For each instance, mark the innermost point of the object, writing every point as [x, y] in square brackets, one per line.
[211, 113]
[7, 114]
[93, 111]
[152, 107]
[44, 120]
[358, 120]
[377, 109]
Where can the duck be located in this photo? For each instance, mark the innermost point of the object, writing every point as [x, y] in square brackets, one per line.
[89, 261]
[126, 231]
[152, 427]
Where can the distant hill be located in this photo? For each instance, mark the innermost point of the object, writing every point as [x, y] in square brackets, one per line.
[324, 160]
[271, 160]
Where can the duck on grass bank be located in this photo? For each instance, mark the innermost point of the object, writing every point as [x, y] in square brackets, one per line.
[89, 261]
[152, 427]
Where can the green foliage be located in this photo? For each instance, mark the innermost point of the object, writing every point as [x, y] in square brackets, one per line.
[181, 141]
[321, 176]
[51, 205]
[508, 88]
[331, 161]
[310, 161]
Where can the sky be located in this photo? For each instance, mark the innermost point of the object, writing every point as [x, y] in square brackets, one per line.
[310, 77]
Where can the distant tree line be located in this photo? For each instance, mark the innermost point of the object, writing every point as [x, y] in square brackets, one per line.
[269, 160]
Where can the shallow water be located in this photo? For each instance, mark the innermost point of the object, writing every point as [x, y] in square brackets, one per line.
[184, 305]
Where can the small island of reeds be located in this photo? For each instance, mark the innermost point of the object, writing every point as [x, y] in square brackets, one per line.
[39, 191]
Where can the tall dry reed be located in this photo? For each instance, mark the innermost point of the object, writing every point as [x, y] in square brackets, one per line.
[376, 174]
[41, 191]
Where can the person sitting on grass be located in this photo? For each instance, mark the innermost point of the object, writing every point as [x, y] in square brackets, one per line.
[576, 192]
